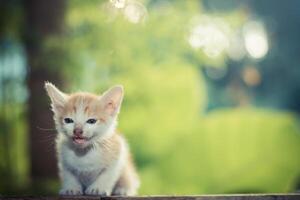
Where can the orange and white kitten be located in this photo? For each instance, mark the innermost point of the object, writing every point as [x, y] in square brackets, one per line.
[92, 158]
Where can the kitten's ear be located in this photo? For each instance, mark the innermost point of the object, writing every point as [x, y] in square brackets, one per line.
[57, 97]
[112, 99]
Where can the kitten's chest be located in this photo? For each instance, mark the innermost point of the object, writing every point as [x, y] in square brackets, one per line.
[86, 167]
[90, 161]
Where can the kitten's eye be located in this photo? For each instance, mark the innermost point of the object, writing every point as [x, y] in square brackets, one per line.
[91, 121]
[68, 120]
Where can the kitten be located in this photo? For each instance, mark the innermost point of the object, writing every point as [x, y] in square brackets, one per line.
[92, 158]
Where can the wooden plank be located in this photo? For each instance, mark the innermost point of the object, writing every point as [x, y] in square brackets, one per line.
[294, 196]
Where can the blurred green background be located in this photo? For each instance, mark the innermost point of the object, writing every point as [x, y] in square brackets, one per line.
[212, 89]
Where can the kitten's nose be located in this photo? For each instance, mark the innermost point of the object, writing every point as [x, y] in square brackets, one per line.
[77, 131]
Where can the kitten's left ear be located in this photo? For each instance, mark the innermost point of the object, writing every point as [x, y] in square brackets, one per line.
[112, 99]
[57, 97]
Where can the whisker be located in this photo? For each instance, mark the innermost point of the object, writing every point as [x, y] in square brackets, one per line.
[46, 139]
[43, 134]
[46, 129]
[94, 146]
[50, 147]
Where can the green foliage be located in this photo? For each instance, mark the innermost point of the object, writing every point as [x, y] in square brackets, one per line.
[13, 151]
[177, 150]
[242, 150]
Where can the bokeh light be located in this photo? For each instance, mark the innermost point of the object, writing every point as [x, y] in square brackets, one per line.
[135, 12]
[118, 3]
[251, 76]
[210, 35]
[256, 41]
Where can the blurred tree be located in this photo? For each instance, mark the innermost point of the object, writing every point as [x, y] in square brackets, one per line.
[280, 70]
[13, 165]
[45, 19]
[281, 82]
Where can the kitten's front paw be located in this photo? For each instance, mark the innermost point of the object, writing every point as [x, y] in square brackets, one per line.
[120, 191]
[96, 191]
[70, 192]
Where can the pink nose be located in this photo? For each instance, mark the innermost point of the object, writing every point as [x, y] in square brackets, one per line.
[77, 131]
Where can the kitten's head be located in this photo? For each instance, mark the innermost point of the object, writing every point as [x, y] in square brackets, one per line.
[83, 117]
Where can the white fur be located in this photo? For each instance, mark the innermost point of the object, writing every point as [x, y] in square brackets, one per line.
[88, 174]
[105, 183]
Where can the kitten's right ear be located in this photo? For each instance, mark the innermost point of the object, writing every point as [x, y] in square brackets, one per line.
[57, 97]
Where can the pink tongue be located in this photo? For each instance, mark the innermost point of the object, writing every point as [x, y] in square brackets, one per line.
[79, 140]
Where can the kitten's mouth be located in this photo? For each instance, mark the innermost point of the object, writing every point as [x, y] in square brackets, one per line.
[79, 140]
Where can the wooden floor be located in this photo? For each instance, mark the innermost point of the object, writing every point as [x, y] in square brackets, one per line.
[295, 196]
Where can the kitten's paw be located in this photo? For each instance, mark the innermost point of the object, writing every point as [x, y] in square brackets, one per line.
[70, 192]
[120, 191]
[96, 191]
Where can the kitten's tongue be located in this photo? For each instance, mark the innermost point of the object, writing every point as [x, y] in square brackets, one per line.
[79, 140]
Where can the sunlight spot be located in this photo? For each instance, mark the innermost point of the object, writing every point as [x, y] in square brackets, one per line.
[256, 42]
[209, 34]
[111, 10]
[135, 12]
[118, 3]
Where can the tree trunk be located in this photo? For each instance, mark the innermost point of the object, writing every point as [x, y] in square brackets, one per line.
[44, 19]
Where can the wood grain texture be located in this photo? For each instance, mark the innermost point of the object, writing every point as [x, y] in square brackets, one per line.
[294, 196]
